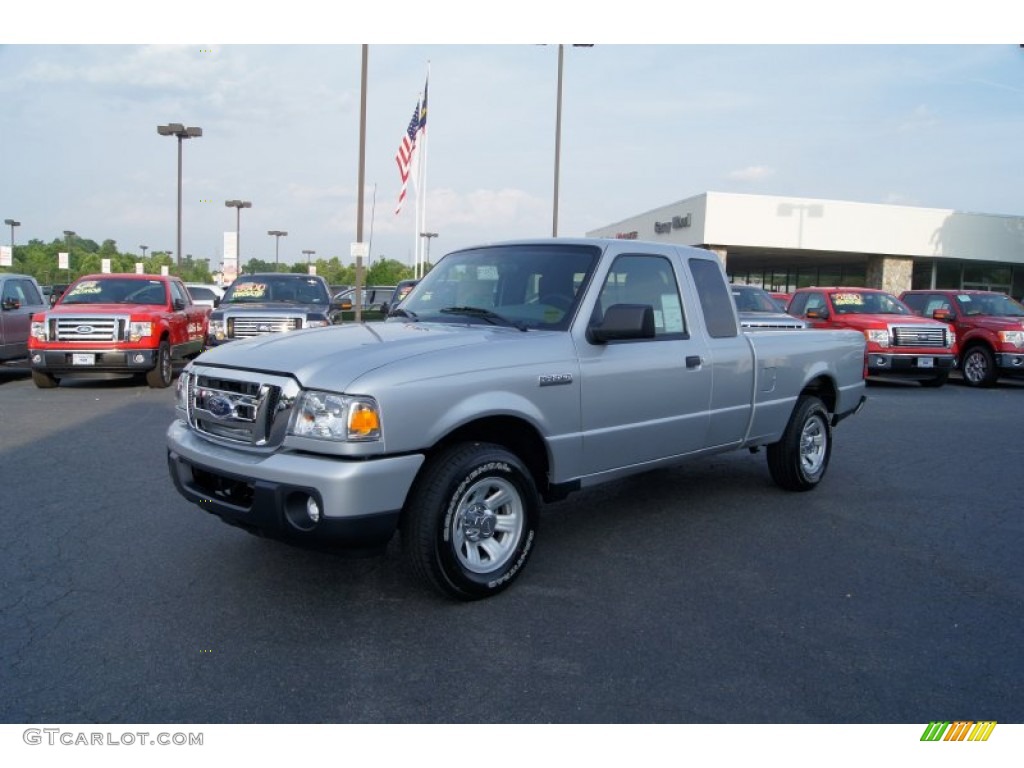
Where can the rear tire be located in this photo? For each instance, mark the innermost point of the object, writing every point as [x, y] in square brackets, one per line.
[799, 460]
[470, 522]
[44, 380]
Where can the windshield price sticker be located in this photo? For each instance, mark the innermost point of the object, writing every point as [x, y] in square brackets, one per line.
[88, 287]
[848, 299]
[250, 290]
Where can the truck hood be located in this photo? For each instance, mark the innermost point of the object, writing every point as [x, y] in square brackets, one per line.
[272, 306]
[881, 321]
[333, 357]
[106, 309]
[994, 322]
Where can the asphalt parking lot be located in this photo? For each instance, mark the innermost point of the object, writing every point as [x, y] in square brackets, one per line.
[702, 594]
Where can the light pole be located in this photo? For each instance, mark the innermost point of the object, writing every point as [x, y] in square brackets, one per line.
[308, 254]
[179, 130]
[144, 249]
[277, 234]
[558, 133]
[426, 256]
[238, 205]
[68, 234]
[12, 224]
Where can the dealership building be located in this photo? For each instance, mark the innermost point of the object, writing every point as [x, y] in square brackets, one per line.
[784, 243]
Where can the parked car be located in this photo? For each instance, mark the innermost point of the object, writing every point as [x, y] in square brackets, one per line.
[371, 297]
[20, 298]
[989, 329]
[116, 323]
[400, 292]
[272, 302]
[205, 294]
[53, 292]
[899, 343]
[759, 312]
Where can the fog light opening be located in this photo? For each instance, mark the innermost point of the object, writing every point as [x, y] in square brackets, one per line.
[302, 510]
[140, 358]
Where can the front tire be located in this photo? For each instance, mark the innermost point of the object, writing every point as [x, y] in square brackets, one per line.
[160, 376]
[44, 380]
[470, 522]
[799, 460]
[978, 367]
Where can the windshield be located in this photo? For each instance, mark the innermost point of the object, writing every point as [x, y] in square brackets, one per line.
[867, 303]
[750, 298]
[526, 286]
[994, 304]
[117, 290]
[261, 289]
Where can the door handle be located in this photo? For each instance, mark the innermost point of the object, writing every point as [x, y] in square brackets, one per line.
[694, 361]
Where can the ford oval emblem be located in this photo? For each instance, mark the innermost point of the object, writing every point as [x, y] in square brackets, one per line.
[219, 406]
[264, 329]
[84, 329]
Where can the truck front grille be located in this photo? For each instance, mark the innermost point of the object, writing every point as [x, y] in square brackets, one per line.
[246, 327]
[89, 328]
[246, 411]
[920, 336]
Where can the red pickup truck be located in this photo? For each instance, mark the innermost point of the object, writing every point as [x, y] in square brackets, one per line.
[989, 327]
[117, 323]
[899, 343]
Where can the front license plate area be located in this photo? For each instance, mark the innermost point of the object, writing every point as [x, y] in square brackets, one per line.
[926, 362]
[82, 358]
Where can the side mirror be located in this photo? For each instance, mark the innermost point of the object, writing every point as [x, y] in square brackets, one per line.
[11, 303]
[178, 305]
[216, 301]
[817, 314]
[944, 315]
[623, 322]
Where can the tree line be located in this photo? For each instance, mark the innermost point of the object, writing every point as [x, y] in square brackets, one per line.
[40, 260]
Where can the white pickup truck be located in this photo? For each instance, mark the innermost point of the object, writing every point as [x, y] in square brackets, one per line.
[513, 373]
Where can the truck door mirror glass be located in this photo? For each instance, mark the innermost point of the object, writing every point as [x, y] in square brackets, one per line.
[622, 322]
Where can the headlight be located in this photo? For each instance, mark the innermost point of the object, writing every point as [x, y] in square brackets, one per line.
[879, 337]
[218, 329]
[328, 416]
[181, 391]
[318, 323]
[38, 330]
[137, 331]
[1015, 338]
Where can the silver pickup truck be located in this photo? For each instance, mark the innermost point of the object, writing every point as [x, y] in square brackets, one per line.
[513, 373]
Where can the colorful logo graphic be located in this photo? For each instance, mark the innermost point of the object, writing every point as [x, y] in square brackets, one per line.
[961, 730]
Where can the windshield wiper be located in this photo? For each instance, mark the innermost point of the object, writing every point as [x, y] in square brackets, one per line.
[399, 312]
[485, 314]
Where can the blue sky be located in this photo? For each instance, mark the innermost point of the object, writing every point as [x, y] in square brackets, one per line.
[899, 112]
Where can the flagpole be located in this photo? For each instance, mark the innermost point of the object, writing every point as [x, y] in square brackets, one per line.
[422, 171]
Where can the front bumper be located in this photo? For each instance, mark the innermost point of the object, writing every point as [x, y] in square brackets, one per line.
[359, 500]
[85, 361]
[1010, 363]
[919, 365]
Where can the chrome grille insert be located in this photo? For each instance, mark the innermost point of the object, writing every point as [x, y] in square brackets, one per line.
[245, 327]
[249, 411]
[920, 336]
[89, 328]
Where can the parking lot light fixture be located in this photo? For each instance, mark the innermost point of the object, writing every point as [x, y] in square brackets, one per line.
[238, 205]
[277, 234]
[308, 254]
[182, 133]
[12, 224]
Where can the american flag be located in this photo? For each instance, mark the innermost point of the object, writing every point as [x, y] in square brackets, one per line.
[407, 148]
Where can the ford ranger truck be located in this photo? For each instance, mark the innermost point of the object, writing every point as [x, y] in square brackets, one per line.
[989, 328]
[117, 323]
[899, 343]
[511, 374]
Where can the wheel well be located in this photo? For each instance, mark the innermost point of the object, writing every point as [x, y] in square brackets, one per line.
[514, 434]
[975, 343]
[824, 389]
